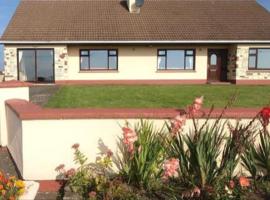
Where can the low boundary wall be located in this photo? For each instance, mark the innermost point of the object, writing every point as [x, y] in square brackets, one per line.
[42, 138]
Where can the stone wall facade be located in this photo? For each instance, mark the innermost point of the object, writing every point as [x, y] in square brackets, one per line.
[242, 71]
[60, 60]
[231, 63]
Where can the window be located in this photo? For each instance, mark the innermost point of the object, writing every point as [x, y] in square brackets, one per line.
[98, 59]
[213, 59]
[259, 59]
[36, 65]
[176, 59]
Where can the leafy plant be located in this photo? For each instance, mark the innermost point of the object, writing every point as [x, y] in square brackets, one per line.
[256, 158]
[208, 155]
[141, 158]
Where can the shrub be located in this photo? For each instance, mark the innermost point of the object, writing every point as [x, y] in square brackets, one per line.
[256, 158]
[10, 188]
[208, 156]
[142, 155]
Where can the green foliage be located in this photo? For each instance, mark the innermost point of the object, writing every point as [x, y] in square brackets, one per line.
[256, 159]
[209, 156]
[143, 168]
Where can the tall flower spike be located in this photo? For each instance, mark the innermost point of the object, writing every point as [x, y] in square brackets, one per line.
[130, 136]
[177, 123]
[265, 114]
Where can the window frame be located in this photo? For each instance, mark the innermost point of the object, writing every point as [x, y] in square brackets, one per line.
[98, 69]
[35, 57]
[256, 59]
[185, 56]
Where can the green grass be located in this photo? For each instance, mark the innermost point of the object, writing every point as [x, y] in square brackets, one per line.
[173, 96]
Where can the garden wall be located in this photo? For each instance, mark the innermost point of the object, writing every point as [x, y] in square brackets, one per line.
[9, 91]
[45, 136]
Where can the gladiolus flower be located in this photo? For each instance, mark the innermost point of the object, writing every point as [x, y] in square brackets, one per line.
[71, 172]
[109, 153]
[178, 122]
[92, 194]
[244, 182]
[265, 114]
[196, 106]
[231, 184]
[170, 168]
[130, 136]
[1, 187]
[60, 167]
[75, 146]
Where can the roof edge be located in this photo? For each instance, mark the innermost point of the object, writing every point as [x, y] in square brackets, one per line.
[138, 42]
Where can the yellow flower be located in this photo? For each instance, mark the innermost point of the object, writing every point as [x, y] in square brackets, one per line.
[21, 192]
[19, 184]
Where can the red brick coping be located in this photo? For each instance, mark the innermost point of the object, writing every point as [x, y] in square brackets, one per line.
[28, 111]
[49, 185]
[14, 84]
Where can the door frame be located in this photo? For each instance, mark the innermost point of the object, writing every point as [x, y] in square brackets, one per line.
[35, 50]
[223, 53]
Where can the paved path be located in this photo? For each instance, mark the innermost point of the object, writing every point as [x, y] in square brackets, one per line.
[40, 94]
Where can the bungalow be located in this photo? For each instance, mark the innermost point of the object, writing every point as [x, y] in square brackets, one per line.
[178, 41]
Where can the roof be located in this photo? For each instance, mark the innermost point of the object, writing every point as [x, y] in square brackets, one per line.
[159, 20]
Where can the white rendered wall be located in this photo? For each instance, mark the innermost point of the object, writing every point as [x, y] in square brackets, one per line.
[47, 143]
[5, 94]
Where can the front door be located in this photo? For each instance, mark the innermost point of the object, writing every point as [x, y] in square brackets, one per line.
[217, 65]
[36, 65]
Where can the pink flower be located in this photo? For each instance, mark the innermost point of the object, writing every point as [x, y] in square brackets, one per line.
[109, 153]
[92, 194]
[130, 136]
[60, 167]
[75, 146]
[170, 168]
[176, 124]
[71, 172]
[196, 106]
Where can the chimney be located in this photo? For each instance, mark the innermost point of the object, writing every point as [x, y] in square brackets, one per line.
[134, 5]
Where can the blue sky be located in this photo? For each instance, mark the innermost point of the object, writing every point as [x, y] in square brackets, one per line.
[7, 8]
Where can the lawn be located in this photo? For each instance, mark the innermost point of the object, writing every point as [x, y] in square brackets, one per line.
[172, 96]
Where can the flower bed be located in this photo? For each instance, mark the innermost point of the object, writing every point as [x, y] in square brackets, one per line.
[164, 163]
[15, 189]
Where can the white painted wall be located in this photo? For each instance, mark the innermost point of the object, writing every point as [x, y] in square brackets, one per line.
[5, 94]
[47, 143]
[15, 137]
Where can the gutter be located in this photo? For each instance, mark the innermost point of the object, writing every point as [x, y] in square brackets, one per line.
[141, 42]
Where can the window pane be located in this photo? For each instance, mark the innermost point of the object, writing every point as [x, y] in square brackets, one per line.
[27, 70]
[161, 53]
[112, 53]
[190, 52]
[213, 59]
[263, 58]
[161, 62]
[112, 62]
[252, 62]
[84, 53]
[99, 59]
[175, 59]
[45, 65]
[252, 51]
[189, 62]
[84, 62]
